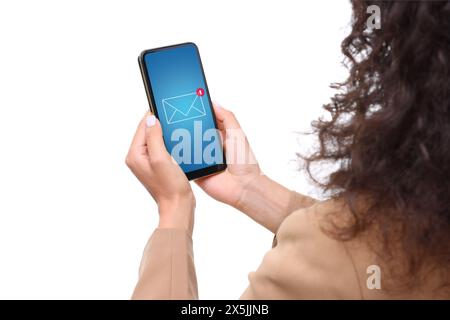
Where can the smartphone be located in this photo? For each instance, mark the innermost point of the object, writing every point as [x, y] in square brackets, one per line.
[178, 96]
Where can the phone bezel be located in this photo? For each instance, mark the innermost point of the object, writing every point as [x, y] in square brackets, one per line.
[148, 89]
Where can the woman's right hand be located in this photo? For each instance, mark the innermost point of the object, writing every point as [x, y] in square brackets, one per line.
[242, 167]
[242, 185]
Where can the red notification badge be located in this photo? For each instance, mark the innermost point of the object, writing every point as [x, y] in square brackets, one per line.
[200, 92]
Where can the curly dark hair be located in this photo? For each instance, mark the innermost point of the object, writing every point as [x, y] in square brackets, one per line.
[389, 132]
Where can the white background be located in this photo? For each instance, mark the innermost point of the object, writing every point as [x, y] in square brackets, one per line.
[73, 219]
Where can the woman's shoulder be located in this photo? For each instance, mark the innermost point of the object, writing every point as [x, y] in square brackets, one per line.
[325, 266]
[314, 220]
[319, 264]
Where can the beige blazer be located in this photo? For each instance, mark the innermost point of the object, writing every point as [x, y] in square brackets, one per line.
[304, 263]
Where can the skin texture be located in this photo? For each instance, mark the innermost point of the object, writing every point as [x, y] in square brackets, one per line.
[242, 185]
[229, 185]
[161, 176]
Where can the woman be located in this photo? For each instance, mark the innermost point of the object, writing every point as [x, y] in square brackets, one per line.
[389, 199]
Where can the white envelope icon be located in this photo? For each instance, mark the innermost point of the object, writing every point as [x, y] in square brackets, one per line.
[183, 107]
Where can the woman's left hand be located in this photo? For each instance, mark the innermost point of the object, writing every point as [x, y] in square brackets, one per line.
[150, 162]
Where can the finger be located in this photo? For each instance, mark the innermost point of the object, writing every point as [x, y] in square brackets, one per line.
[217, 111]
[154, 139]
[237, 148]
[225, 117]
[139, 137]
[137, 157]
[137, 154]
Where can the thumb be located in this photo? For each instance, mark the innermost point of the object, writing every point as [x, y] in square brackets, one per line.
[154, 138]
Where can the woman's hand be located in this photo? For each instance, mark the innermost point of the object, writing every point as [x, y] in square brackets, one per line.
[242, 185]
[242, 167]
[150, 162]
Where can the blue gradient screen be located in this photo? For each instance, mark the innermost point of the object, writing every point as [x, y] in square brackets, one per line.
[183, 106]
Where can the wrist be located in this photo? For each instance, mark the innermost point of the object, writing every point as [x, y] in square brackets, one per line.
[250, 193]
[177, 213]
[265, 201]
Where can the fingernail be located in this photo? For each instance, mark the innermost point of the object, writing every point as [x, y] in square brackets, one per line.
[151, 120]
[217, 105]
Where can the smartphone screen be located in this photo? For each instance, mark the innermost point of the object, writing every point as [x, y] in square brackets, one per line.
[179, 97]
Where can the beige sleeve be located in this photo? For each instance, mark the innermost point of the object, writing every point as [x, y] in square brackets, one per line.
[305, 264]
[167, 268]
[296, 201]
